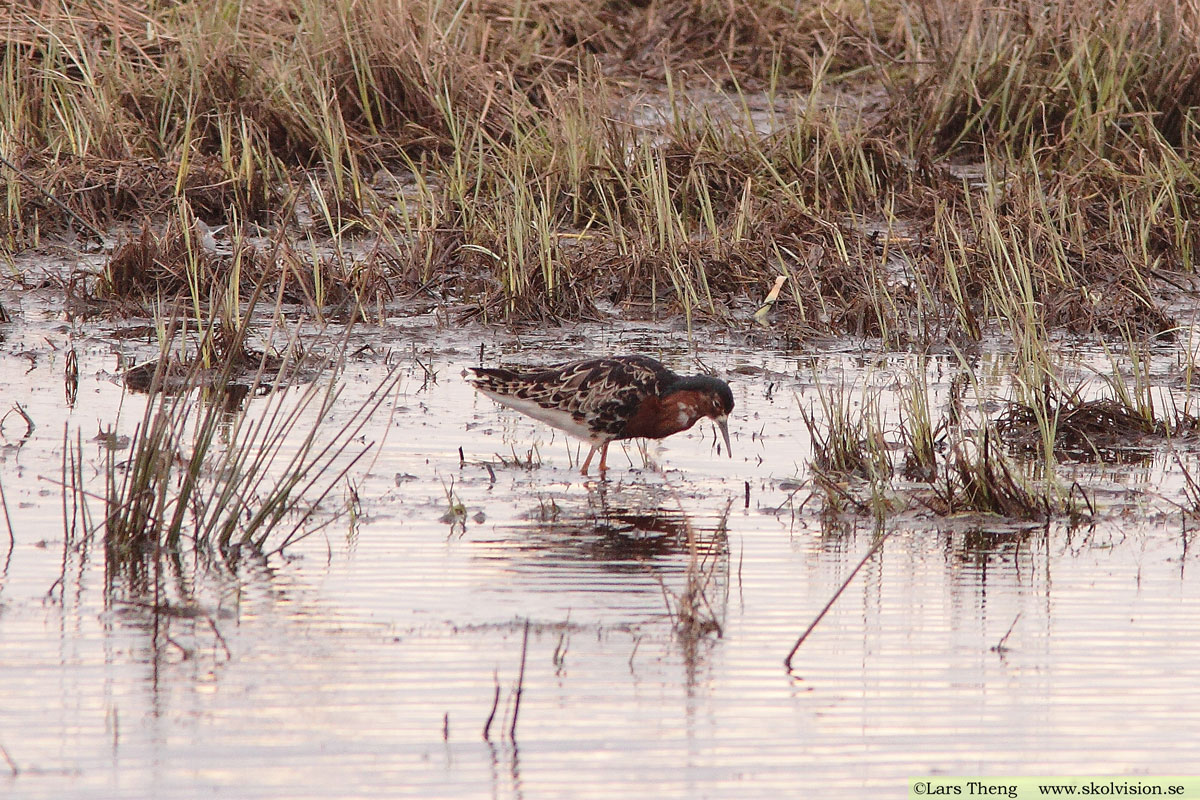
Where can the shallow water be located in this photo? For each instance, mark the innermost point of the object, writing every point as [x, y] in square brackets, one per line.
[365, 661]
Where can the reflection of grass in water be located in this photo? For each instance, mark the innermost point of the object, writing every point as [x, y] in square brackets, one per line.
[456, 511]
[692, 611]
[206, 477]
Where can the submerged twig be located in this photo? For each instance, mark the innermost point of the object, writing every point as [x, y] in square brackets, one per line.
[12, 765]
[787, 662]
[487, 725]
[512, 730]
[1000, 647]
[12, 539]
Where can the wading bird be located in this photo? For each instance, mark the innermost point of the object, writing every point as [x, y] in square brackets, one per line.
[601, 400]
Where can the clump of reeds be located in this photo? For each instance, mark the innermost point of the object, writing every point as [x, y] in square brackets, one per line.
[1126, 423]
[152, 266]
[213, 473]
[949, 471]
[923, 439]
[850, 441]
[1081, 429]
[977, 478]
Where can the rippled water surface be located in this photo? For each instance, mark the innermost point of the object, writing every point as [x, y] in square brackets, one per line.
[366, 659]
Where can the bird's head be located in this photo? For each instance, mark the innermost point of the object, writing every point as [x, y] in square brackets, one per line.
[705, 396]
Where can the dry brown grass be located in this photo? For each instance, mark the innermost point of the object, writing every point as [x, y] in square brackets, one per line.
[489, 152]
[1097, 429]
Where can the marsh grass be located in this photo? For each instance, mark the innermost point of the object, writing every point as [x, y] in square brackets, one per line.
[847, 436]
[922, 174]
[1119, 427]
[237, 462]
[923, 439]
[951, 462]
[529, 189]
[978, 479]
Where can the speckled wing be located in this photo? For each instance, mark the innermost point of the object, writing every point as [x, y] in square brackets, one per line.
[590, 399]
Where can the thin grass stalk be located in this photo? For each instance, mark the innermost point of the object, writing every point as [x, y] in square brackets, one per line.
[351, 429]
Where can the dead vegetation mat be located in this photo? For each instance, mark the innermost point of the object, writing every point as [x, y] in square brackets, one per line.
[1102, 429]
[129, 112]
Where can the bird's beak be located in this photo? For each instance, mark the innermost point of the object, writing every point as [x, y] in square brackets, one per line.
[723, 425]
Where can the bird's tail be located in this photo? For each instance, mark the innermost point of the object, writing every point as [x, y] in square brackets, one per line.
[490, 377]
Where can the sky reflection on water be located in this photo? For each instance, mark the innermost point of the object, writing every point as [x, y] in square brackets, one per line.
[364, 664]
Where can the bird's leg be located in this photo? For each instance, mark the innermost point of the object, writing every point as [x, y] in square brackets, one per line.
[588, 461]
[603, 459]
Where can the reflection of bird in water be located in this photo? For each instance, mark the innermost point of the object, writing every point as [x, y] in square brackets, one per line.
[601, 400]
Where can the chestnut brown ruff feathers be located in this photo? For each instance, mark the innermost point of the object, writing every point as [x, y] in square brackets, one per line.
[601, 400]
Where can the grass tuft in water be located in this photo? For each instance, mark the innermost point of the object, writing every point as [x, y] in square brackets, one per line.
[977, 478]
[1120, 427]
[227, 460]
[850, 442]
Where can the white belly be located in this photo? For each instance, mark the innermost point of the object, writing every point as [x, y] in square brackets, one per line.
[551, 416]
